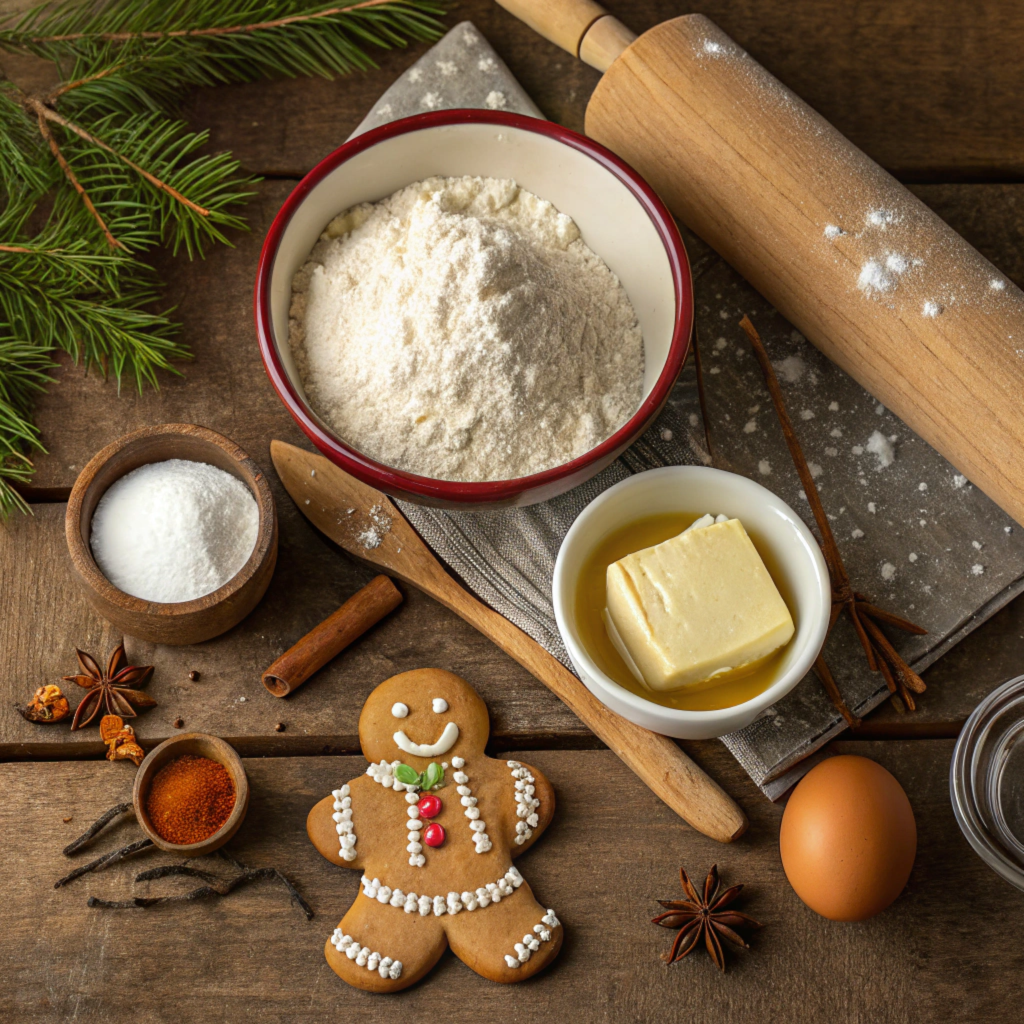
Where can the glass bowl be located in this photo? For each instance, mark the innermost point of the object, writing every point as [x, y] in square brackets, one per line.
[986, 781]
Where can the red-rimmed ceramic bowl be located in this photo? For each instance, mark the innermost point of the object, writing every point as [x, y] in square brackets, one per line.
[618, 213]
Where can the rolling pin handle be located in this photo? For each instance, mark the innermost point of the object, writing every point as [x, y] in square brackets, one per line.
[581, 27]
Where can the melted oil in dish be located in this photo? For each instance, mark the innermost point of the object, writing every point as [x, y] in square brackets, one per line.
[724, 691]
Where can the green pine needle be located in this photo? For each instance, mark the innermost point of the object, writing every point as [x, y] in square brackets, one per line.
[71, 278]
[230, 40]
[24, 371]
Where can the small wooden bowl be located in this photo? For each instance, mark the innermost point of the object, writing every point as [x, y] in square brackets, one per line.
[185, 622]
[205, 746]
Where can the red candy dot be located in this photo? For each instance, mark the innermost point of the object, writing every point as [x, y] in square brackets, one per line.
[433, 835]
[430, 806]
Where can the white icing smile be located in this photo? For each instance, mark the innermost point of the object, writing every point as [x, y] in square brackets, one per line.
[444, 744]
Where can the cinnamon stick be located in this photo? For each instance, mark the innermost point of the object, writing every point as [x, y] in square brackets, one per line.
[361, 611]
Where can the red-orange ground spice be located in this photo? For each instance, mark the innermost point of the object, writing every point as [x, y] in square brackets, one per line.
[189, 799]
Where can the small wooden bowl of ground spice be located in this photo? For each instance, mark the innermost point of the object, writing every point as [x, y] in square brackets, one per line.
[191, 794]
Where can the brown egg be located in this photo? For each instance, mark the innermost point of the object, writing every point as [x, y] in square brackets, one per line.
[848, 838]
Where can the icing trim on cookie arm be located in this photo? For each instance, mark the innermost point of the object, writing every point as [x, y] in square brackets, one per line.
[527, 803]
[442, 746]
[343, 823]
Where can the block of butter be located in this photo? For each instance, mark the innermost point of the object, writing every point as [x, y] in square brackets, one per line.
[695, 606]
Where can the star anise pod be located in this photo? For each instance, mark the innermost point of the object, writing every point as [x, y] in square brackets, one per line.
[708, 917]
[112, 689]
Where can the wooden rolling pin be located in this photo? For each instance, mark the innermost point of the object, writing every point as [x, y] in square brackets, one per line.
[868, 273]
[339, 506]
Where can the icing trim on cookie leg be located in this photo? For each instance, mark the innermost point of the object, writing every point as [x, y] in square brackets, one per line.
[477, 825]
[442, 746]
[452, 903]
[343, 822]
[526, 802]
[372, 961]
[531, 942]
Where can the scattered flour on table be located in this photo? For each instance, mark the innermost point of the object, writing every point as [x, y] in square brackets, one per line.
[881, 447]
[174, 531]
[790, 369]
[461, 329]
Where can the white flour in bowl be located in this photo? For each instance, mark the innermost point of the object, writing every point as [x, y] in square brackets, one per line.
[462, 330]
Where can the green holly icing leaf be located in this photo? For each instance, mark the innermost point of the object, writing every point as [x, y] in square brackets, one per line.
[433, 776]
[406, 775]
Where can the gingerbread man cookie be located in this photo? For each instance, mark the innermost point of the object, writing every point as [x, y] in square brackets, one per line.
[433, 825]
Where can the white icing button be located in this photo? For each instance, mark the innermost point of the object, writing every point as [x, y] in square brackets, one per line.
[458, 762]
[399, 710]
[439, 705]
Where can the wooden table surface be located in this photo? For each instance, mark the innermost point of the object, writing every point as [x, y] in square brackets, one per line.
[931, 91]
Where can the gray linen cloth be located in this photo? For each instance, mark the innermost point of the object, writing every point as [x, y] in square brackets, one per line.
[915, 535]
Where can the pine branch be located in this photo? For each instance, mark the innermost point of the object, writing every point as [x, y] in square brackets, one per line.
[102, 169]
[67, 300]
[51, 141]
[231, 40]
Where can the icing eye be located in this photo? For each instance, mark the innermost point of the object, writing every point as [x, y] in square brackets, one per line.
[399, 710]
[440, 705]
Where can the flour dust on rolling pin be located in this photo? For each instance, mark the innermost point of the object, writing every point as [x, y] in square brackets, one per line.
[845, 252]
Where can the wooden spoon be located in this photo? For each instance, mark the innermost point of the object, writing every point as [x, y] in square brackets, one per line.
[350, 512]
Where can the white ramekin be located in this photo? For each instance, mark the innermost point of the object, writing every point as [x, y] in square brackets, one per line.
[698, 489]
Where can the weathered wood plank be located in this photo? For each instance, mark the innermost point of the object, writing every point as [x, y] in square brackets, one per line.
[45, 617]
[939, 954]
[929, 90]
[225, 387]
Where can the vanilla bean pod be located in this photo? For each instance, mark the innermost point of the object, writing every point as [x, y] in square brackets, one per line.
[107, 858]
[214, 887]
[170, 870]
[103, 820]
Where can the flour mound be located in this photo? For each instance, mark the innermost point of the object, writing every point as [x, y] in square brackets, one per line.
[462, 330]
